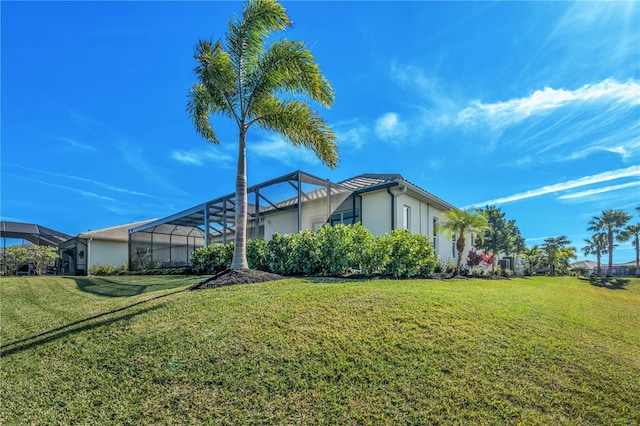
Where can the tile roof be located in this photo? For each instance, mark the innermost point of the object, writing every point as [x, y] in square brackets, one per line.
[368, 180]
[371, 180]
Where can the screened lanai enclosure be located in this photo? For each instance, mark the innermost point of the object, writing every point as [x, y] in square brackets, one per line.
[287, 204]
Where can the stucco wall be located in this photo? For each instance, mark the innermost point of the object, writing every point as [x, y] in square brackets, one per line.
[376, 212]
[283, 223]
[376, 217]
[103, 252]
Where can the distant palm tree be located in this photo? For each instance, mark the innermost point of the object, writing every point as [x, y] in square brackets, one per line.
[255, 84]
[564, 258]
[461, 222]
[596, 245]
[612, 222]
[633, 231]
[532, 255]
[553, 251]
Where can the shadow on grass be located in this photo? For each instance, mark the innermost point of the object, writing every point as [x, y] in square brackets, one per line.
[611, 283]
[111, 288]
[89, 323]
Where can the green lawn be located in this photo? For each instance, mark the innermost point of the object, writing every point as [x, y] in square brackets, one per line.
[138, 350]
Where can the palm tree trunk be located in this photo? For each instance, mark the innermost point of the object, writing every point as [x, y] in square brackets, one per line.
[610, 241]
[460, 243]
[637, 256]
[239, 260]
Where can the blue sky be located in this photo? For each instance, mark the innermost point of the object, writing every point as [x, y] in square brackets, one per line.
[531, 106]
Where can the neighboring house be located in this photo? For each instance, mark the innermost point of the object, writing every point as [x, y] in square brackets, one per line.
[108, 246]
[289, 204]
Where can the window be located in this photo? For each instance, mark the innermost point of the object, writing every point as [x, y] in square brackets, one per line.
[435, 234]
[454, 251]
[406, 217]
[346, 217]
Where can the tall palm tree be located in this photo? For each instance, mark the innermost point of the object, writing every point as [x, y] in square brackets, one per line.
[460, 223]
[612, 222]
[266, 85]
[596, 245]
[633, 231]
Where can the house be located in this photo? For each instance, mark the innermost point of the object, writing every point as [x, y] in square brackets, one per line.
[108, 246]
[291, 203]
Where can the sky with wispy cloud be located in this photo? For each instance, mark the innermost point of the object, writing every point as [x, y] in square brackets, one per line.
[531, 106]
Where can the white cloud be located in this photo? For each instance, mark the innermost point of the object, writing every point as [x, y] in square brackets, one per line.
[389, 127]
[87, 194]
[276, 148]
[76, 145]
[97, 183]
[187, 157]
[576, 183]
[351, 134]
[503, 114]
[590, 192]
[199, 157]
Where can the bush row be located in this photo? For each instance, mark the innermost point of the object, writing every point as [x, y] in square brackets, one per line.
[106, 270]
[332, 251]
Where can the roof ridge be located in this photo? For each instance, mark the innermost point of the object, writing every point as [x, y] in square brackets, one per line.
[110, 228]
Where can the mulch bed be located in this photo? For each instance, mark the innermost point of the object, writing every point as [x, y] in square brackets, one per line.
[234, 277]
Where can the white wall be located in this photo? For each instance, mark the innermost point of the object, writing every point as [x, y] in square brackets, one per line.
[283, 223]
[376, 217]
[102, 252]
[376, 212]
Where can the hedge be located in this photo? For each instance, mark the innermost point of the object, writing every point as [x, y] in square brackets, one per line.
[332, 251]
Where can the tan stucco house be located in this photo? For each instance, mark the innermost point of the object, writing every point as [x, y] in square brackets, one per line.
[107, 246]
[291, 203]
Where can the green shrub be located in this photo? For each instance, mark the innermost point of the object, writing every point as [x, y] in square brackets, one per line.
[102, 270]
[211, 259]
[366, 258]
[337, 251]
[307, 256]
[408, 255]
[257, 255]
[280, 253]
[332, 251]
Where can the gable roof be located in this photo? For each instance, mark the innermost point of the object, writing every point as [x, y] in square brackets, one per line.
[369, 180]
[113, 233]
[373, 181]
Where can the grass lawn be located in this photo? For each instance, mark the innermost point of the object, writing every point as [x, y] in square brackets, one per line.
[138, 350]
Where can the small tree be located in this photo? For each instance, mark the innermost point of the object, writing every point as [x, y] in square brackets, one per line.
[43, 256]
[532, 257]
[461, 222]
[13, 257]
[502, 235]
[556, 253]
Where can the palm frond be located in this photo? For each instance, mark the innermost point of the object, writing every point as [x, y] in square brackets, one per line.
[199, 106]
[301, 125]
[246, 39]
[289, 67]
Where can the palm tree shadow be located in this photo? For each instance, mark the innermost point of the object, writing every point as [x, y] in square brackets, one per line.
[89, 323]
[102, 286]
[611, 283]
